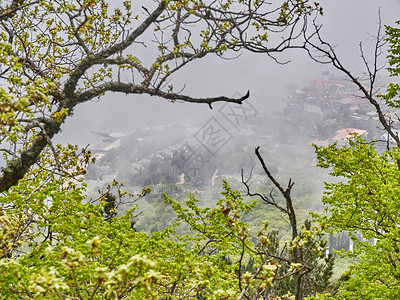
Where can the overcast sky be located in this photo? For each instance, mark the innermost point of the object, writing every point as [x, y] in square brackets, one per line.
[346, 23]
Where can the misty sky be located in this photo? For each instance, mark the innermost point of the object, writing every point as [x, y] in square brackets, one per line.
[346, 23]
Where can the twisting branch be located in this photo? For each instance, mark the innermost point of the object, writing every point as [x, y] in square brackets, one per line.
[79, 53]
[289, 211]
[267, 199]
[240, 264]
[18, 166]
[16, 5]
[78, 290]
[322, 52]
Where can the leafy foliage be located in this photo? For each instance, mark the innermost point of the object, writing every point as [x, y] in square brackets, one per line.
[56, 244]
[393, 90]
[364, 202]
[57, 54]
[264, 266]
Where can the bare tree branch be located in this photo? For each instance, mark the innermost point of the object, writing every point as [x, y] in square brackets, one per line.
[289, 211]
[76, 55]
[323, 52]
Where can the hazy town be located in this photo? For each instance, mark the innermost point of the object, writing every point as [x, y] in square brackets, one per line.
[191, 149]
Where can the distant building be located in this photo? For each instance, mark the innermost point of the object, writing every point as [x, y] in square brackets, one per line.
[346, 101]
[342, 135]
[100, 149]
[313, 109]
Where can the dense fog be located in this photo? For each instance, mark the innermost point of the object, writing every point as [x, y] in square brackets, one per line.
[345, 24]
[144, 140]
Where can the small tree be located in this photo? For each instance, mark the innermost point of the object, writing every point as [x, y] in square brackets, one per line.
[304, 268]
[364, 201]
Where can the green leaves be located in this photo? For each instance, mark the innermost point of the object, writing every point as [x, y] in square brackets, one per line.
[364, 202]
[370, 184]
[393, 90]
[72, 250]
[393, 37]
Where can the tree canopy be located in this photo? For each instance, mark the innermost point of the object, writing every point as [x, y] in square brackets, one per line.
[364, 201]
[58, 54]
[57, 244]
[54, 244]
